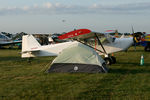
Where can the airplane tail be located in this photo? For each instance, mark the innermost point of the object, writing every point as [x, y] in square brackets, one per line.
[29, 43]
[123, 36]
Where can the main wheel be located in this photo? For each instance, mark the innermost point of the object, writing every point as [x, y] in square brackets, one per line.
[113, 59]
[108, 60]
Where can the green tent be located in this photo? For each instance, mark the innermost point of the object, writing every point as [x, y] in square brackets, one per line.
[78, 58]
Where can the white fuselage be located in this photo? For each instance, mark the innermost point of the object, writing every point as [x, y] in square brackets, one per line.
[48, 50]
[31, 48]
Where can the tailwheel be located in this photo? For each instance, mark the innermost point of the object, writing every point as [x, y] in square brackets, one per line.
[108, 60]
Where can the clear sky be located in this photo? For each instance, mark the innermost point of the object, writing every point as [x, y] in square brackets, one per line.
[52, 16]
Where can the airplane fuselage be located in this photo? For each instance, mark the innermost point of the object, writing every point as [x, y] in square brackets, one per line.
[31, 48]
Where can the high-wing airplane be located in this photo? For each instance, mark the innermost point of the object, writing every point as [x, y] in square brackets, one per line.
[104, 44]
[4, 40]
[112, 32]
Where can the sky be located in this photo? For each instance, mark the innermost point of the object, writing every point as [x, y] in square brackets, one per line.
[57, 16]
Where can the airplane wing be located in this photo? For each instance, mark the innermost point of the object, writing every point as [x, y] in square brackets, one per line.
[9, 43]
[80, 34]
[87, 37]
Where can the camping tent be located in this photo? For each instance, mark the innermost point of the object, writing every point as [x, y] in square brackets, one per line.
[78, 58]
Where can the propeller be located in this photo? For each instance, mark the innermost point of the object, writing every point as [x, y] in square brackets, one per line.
[136, 37]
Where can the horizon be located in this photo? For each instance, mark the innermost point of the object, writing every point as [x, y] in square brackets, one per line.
[60, 16]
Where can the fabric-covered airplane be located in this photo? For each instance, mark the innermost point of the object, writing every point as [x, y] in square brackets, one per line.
[104, 44]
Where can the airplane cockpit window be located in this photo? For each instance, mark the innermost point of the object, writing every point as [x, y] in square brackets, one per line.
[104, 40]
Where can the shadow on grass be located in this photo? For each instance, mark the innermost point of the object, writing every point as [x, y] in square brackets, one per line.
[129, 71]
[19, 59]
[133, 64]
[4, 48]
[128, 63]
[136, 50]
[12, 58]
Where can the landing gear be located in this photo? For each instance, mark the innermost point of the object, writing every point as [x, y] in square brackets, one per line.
[29, 60]
[110, 60]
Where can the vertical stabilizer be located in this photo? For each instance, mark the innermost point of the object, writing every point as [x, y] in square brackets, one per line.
[29, 43]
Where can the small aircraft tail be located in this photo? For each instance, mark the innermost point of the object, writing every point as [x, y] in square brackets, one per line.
[122, 36]
[29, 43]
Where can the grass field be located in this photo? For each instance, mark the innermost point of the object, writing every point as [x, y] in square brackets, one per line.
[22, 80]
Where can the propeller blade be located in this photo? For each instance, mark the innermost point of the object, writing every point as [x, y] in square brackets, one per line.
[132, 30]
[134, 38]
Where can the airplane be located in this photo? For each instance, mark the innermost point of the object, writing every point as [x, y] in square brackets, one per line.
[4, 40]
[112, 32]
[102, 43]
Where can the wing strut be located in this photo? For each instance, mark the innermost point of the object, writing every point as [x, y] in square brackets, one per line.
[100, 43]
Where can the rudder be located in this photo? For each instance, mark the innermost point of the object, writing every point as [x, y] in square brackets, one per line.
[29, 43]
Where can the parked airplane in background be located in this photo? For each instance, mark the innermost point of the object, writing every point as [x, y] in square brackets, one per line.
[103, 44]
[4, 40]
[112, 32]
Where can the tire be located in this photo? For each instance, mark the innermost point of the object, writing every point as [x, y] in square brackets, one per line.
[113, 59]
[108, 61]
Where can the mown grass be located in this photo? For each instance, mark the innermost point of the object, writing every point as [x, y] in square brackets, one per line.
[22, 80]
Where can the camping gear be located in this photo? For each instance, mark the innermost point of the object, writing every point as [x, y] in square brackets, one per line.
[78, 58]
